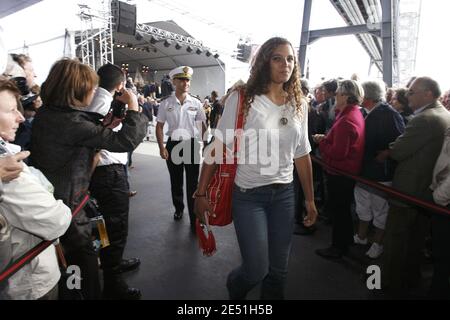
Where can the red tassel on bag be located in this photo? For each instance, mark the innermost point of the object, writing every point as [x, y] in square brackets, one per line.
[206, 239]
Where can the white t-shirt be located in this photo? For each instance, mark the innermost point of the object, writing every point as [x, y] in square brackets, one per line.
[273, 137]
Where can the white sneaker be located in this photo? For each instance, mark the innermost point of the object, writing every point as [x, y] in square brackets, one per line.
[375, 250]
[358, 240]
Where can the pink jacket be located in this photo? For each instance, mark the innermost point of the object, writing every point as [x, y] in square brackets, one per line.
[343, 147]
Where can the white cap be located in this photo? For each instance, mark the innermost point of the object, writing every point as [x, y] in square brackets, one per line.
[183, 72]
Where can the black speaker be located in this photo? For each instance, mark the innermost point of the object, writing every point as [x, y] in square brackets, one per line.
[124, 17]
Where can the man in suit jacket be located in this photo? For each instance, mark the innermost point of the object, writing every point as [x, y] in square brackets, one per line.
[416, 152]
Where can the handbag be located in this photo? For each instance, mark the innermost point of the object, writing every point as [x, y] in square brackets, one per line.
[220, 188]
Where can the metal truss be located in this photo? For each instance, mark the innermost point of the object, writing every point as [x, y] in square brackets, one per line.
[407, 38]
[96, 44]
[161, 34]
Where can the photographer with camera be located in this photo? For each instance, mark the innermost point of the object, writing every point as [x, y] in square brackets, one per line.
[109, 184]
[63, 144]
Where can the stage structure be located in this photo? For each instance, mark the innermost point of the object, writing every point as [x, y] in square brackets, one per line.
[150, 50]
[96, 35]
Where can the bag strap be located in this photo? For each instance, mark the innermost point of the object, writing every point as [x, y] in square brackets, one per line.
[61, 258]
[36, 250]
[239, 126]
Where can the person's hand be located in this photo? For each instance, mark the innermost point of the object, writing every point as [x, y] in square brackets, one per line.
[311, 215]
[129, 98]
[317, 138]
[110, 121]
[12, 166]
[382, 156]
[164, 153]
[202, 208]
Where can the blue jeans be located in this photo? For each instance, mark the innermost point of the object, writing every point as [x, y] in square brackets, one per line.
[264, 221]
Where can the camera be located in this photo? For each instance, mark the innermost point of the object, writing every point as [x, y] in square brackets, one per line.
[8, 150]
[119, 109]
[26, 96]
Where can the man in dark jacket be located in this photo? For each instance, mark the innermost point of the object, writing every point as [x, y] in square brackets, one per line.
[166, 86]
[109, 186]
[383, 125]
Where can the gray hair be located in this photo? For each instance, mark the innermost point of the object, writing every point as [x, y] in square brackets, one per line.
[352, 89]
[426, 83]
[374, 90]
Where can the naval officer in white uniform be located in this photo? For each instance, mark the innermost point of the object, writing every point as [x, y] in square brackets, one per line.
[182, 112]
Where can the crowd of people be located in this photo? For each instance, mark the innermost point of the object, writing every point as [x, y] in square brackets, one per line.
[398, 137]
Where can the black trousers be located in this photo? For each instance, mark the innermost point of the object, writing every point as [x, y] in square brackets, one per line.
[340, 195]
[109, 186]
[404, 241]
[86, 259]
[319, 192]
[440, 229]
[183, 156]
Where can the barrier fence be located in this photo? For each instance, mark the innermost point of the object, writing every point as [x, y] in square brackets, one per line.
[388, 190]
[430, 206]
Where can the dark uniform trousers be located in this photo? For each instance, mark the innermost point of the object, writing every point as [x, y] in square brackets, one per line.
[191, 166]
[109, 186]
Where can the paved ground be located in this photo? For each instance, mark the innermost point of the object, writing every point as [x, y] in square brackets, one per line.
[173, 267]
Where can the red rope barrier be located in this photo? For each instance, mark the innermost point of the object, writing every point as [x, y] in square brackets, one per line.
[390, 191]
[36, 250]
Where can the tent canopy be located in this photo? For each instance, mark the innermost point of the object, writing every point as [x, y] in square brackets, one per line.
[8, 7]
[158, 53]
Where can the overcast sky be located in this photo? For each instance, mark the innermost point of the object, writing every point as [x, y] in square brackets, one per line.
[331, 57]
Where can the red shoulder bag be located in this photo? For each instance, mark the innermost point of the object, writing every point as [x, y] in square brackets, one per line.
[220, 189]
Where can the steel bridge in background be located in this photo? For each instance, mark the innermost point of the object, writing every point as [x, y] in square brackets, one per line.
[387, 29]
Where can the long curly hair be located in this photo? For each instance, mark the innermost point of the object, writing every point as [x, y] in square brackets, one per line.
[259, 80]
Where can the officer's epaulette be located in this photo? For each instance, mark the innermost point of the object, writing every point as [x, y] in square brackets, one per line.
[195, 97]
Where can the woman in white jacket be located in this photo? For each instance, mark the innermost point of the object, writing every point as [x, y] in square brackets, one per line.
[32, 213]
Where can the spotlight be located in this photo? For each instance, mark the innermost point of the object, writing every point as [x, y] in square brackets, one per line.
[138, 36]
[167, 43]
[216, 56]
[189, 49]
[208, 53]
[153, 40]
[178, 46]
[198, 51]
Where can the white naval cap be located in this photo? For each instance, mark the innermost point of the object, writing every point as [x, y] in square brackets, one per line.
[183, 72]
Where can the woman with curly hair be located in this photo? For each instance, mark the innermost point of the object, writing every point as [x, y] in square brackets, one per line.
[275, 114]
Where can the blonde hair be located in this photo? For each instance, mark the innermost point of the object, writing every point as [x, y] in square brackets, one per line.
[68, 82]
